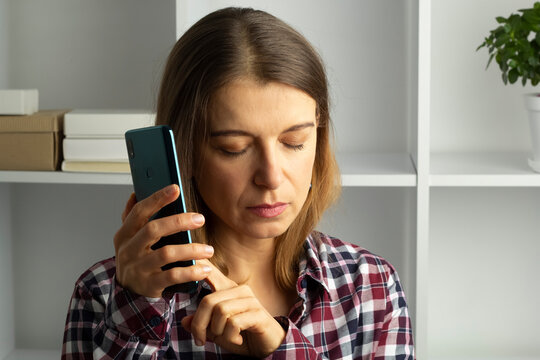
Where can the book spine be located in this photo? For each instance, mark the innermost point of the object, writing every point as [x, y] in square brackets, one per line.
[104, 125]
[95, 149]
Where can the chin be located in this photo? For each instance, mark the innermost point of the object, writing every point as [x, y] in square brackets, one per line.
[266, 231]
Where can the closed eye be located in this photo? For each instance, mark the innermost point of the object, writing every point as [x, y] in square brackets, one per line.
[233, 153]
[294, 147]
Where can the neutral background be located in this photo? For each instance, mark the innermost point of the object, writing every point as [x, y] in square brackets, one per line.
[479, 269]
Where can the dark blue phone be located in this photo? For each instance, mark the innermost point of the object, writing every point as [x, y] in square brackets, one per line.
[154, 165]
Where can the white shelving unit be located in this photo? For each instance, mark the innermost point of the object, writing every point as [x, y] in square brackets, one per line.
[431, 147]
[479, 203]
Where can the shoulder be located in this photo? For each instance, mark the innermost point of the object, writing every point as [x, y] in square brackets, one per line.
[345, 263]
[97, 280]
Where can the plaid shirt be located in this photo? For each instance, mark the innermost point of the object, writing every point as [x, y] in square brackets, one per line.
[350, 306]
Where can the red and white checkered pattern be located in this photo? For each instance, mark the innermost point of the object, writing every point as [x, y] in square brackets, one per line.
[351, 306]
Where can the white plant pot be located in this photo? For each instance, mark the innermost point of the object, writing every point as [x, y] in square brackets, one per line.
[532, 104]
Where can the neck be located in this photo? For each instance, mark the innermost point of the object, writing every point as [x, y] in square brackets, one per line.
[249, 259]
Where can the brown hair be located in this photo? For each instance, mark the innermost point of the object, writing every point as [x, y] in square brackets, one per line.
[226, 45]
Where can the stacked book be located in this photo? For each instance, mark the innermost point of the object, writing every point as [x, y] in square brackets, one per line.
[19, 102]
[94, 139]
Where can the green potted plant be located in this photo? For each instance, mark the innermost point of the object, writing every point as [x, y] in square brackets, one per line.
[515, 46]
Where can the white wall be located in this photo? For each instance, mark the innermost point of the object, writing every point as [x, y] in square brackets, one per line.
[7, 317]
[90, 54]
[484, 273]
[4, 38]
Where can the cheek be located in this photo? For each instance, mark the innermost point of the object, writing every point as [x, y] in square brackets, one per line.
[301, 169]
[219, 184]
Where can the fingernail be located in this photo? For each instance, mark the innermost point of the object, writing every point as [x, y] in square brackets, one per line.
[197, 219]
[209, 249]
[198, 342]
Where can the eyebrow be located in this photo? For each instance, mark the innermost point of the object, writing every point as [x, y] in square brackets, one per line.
[233, 132]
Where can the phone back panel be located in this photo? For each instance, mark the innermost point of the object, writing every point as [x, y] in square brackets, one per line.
[154, 165]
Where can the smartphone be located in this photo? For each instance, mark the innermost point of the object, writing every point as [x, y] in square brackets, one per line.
[154, 165]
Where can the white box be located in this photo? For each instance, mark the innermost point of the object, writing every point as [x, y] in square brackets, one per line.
[18, 102]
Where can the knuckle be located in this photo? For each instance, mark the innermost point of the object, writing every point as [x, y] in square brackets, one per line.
[234, 322]
[207, 302]
[137, 210]
[195, 249]
[166, 253]
[179, 221]
[194, 271]
[222, 309]
[172, 276]
[151, 229]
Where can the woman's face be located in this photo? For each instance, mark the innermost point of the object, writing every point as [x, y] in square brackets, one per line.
[257, 165]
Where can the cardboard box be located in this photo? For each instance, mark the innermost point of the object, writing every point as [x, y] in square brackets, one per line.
[32, 142]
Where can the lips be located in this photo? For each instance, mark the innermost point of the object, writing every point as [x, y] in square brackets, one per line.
[268, 210]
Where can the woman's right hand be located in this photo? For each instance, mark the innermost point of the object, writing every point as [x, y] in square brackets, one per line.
[138, 267]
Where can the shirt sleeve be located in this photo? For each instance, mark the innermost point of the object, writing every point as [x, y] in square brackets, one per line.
[395, 340]
[120, 325]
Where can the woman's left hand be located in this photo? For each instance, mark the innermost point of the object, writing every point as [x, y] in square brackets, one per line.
[233, 318]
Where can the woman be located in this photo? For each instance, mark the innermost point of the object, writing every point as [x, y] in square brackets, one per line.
[247, 98]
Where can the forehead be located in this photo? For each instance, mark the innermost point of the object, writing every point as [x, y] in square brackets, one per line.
[249, 104]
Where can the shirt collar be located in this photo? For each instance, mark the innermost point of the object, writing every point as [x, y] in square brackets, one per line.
[312, 265]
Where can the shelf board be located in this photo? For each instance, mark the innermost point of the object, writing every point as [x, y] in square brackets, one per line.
[60, 177]
[357, 170]
[482, 170]
[385, 169]
[31, 354]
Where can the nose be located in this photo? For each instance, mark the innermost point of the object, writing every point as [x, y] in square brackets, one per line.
[269, 171]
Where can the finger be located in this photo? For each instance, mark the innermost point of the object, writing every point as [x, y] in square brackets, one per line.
[217, 280]
[143, 210]
[227, 309]
[232, 332]
[173, 253]
[129, 205]
[186, 322]
[178, 275]
[205, 310]
[154, 230]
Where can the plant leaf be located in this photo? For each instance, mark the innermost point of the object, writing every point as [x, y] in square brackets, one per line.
[489, 61]
[504, 78]
[513, 76]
